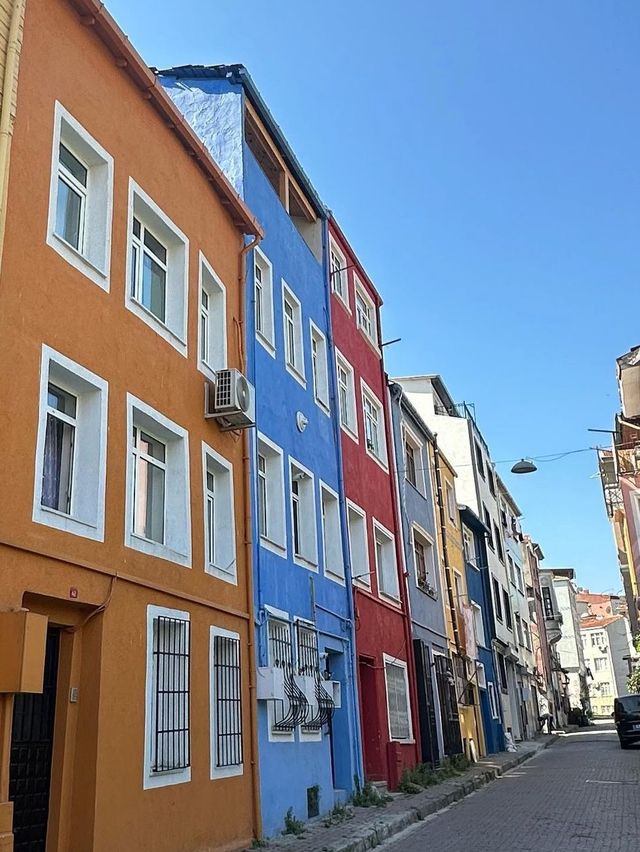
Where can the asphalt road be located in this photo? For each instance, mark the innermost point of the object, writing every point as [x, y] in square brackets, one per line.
[580, 795]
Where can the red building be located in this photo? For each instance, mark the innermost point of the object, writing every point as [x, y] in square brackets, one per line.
[383, 631]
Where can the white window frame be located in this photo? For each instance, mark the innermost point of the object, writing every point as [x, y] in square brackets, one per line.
[224, 565]
[216, 319]
[177, 528]
[296, 370]
[174, 328]
[332, 553]
[308, 530]
[493, 700]
[319, 367]
[401, 664]
[93, 260]
[152, 779]
[361, 292]
[87, 511]
[410, 437]
[276, 539]
[266, 336]
[450, 496]
[369, 396]
[351, 426]
[478, 624]
[390, 543]
[339, 254]
[432, 568]
[217, 772]
[481, 675]
[362, 578]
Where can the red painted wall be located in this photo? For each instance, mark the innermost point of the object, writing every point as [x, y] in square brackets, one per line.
[382, 626]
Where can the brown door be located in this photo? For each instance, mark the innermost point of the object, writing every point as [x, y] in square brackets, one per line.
[374, 762]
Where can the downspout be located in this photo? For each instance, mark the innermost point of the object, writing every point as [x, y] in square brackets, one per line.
[6, 119]
[445, 550]
[248, 550]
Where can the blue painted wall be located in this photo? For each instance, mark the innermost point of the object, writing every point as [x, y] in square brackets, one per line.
[287, 769]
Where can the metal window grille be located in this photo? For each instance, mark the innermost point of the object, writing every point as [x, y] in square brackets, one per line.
[226, 671]
[291, 710]
[309, 665]
[171, 658]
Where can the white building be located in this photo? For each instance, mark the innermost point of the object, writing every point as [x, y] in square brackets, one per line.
[606, 641]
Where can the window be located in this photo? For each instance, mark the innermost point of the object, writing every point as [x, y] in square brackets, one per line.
[167, 718]
[395, 672]
[212, 328]
[478, 624]
[220, 528]
[597, 639]
[358, 544]
[309, 667]
[225, 704]
[158, 269]
[285, 713]
[479, 460]
[80, 199]
[493, 700]
[547, 603]
[338, 272]
[413, 465]
[70, 464]
[600, 664]
[491, 480]
[271, 511]
[519, 634]
[498, 541]
[263, 294]
[303, 515]
[319, 367]
[605, 688]
[424, 562]
[507, 609]
[451, 501]
[373, 415]
[527, 635]
[487, 522]
[468, 542]
[481, 676]
[346, 396]
[497, 600]
[331, 532]
[158, 501]
[386, 567]
[293, 347]
[365, 313]
[519, 577]
[502, 672]
[510, 570]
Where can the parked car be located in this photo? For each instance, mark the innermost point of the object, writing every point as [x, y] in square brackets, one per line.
[626, 714]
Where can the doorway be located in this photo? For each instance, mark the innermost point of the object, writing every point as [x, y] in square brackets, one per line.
[31, 751]
[374, 765]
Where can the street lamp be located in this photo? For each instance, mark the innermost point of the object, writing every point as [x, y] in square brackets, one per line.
[524, 466]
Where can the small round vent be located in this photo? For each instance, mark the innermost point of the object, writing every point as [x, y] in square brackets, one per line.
[243, 394]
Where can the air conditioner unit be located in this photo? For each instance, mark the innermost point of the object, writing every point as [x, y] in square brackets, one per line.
[333, 688]
[231, 401]
[307, 686]
[270, 683]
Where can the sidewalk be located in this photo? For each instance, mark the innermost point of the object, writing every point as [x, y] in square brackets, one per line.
[368, 827]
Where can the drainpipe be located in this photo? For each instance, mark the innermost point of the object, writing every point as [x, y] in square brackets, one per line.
[445, 551]
[6, 119]
[248, 550]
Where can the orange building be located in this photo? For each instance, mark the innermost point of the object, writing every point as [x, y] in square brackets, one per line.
[126, 712]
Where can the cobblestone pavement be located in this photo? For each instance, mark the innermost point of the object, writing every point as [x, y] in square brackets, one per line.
[581, 794]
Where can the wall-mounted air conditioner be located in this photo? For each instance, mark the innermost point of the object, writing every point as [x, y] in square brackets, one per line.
[333, 688]
[270, 683]
[231, 401]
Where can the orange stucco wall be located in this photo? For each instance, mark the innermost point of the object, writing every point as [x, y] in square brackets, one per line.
[98, 801]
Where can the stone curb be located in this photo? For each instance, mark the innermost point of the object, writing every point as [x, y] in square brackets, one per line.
[372, 835]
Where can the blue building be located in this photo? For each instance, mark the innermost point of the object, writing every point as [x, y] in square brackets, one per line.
[475, 534]
[308, 726]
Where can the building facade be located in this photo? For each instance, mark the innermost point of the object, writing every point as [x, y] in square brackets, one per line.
[126, 583]
[390, 734]
[306, 686]
[608, 652]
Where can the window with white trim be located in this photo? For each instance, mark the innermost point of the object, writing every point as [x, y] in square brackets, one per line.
[158, 269]
[413, 460]
[271, 502]
[292, 323]
[481, 675]
[527, 634]
[397, 686]
[478, 624]
[346, 395]
[338, 272]
[518, 624]
[280, 656]
[469, 546]
[358, 544]
[386, 567]
[225, 704]
[493, 700]
[424, 562]
[365, 312]
[212, 327]
[219, 515]
[70, 467]
[263, 295]
[373, 417]
[331, 532]
[80, 199]
[167, 717]
[303, 515]
[451, 502]
[158, 502]
[319, 367]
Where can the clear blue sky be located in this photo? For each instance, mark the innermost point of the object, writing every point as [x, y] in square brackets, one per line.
[483, 159]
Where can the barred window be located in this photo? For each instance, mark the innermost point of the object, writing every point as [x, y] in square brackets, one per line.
[226, 703]
[398, 700]
[170, 746]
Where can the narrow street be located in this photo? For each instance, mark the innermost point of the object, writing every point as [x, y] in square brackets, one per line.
[585, 789]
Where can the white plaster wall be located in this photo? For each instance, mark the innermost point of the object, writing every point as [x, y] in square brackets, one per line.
[620, 645]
